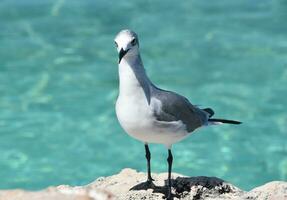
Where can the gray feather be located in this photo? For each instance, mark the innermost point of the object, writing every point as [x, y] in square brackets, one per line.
[176, 107]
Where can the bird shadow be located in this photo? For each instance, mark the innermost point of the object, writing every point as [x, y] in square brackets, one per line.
[181, 185]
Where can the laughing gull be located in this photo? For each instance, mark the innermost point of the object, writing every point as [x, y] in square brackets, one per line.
[150, 114]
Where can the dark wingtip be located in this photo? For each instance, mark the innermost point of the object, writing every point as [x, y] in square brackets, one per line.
[225, 121]
[210, 111]
[237, 122]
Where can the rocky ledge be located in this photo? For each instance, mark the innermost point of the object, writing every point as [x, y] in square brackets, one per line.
[130, 185]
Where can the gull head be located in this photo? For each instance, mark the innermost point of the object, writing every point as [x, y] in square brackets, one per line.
[127, 44]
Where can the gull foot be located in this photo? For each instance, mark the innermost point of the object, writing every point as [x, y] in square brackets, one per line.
[144, 186]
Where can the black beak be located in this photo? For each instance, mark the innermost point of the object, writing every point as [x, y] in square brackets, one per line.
[122, 53]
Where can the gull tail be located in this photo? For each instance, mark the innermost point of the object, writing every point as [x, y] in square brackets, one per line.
[223, 121]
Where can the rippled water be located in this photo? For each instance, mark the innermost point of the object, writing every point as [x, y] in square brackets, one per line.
[59, 83]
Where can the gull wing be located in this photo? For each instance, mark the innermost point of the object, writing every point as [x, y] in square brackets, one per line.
[175, 107]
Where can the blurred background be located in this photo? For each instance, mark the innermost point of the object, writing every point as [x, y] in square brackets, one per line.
[59, 84]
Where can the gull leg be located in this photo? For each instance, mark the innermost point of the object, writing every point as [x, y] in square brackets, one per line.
[147, 155]
[169, 160]
[148, 184]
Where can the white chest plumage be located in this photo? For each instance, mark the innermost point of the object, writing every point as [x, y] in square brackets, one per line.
[132, 108]
[136, 115]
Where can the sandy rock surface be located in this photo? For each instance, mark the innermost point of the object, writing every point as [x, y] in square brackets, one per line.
[276, 190]
[57, 193]
[131, 185]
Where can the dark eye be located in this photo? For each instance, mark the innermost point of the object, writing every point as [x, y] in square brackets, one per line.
[134, 42]
[116, 44]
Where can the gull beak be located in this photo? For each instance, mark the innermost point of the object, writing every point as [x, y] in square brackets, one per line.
[122, 53]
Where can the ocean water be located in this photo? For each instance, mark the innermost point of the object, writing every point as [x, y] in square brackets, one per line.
[59, 84]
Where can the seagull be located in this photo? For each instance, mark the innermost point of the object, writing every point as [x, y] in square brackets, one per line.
[150, 114]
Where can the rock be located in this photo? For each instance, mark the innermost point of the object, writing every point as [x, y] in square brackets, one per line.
[276, 190]
[57, 193]
[130, 185]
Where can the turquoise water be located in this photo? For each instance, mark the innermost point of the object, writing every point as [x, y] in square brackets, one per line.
[59, 83]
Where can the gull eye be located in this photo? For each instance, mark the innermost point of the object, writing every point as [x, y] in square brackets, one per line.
[116, 44]
[134, 42]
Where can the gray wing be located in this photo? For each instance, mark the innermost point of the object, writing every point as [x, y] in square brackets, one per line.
[176, 107]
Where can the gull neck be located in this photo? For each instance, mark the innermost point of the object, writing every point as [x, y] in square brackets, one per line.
[132, 74]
